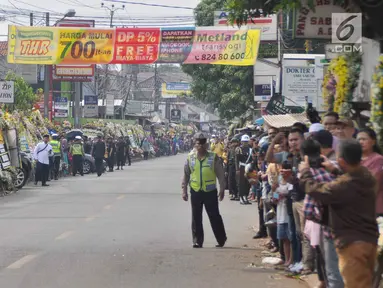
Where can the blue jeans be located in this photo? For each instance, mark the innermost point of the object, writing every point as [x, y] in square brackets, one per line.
[295, 241]
[334, 277]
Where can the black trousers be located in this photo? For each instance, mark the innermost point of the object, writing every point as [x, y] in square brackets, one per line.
[262, 226]
[56, 166]
[244, 185]
[98, 163]
[210, 201]
[233, 187]
[42, 173]
[146, 155]
[127, 157]
[77, 165]
[111, 162]
[120, 160]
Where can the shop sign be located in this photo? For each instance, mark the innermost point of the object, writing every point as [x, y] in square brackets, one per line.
[7, 92]
[267, 24]
[316, 23]
[175, 115]
[299, 85]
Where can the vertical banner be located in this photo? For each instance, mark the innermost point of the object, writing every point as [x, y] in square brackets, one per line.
[109, 105]
[61, 107]
[90, 106]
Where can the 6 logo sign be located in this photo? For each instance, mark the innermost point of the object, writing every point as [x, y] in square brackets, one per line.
[346, 28]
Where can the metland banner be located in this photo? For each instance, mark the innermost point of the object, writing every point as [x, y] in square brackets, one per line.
[83, 45]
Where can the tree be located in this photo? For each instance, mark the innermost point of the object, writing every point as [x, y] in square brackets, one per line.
[25, 97]
[228, 88]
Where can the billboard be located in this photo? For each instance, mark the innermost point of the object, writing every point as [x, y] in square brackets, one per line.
[174, 89]
[76, 73]
[267, 24]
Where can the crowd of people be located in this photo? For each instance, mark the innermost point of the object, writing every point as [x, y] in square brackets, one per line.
[319, 191]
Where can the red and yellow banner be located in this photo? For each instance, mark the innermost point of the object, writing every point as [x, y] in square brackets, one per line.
[82, 45]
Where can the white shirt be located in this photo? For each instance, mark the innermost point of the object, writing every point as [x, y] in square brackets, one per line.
[283, 190]
[43, 155]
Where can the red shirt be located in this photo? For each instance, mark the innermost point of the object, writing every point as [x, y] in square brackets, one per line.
[374, 163]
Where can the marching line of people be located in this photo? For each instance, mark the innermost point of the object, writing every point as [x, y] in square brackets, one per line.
[55, 155]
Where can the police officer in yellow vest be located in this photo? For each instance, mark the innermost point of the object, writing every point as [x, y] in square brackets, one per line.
[200, 172]
[77, 151]
[56, 149]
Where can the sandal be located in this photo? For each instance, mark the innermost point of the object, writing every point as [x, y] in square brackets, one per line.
[306, 272]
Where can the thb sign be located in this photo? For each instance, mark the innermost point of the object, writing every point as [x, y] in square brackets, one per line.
[346, 32]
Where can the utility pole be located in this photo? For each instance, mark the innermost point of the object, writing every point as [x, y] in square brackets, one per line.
[46, 79]
[30, 19]
[112, 9]
[156, 89]
[125, 103]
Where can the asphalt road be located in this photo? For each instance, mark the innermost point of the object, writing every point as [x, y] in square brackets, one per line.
[126, 229]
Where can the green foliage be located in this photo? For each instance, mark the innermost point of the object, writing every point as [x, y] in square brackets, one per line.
[24, 95]
[228, 88]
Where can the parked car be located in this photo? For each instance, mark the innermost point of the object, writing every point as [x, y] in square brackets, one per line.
[25, 171]
[89, 165]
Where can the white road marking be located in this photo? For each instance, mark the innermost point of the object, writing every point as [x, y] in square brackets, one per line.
[64, 235]
[21, 262]
[120, 197]
[89, 219]
[107, 207]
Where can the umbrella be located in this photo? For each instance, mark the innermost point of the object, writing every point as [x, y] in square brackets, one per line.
[70, 135]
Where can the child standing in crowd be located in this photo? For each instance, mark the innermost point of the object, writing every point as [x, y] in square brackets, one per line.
[351, 202]
[281, 195]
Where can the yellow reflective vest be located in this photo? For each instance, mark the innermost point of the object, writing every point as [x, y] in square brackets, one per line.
[77, 149]
[56, 146]
[202, 176]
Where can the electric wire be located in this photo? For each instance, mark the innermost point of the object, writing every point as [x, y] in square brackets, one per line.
[150, 4]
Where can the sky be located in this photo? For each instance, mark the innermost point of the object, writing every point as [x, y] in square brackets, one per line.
[17, 12]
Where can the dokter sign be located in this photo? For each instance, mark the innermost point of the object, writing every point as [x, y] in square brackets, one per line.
[299, 85]
[316, 25]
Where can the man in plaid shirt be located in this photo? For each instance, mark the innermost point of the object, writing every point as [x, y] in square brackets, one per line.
[318, 213]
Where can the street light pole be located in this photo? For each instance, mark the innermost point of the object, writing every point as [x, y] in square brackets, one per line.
[47, 68]
[46, 79]
[112, 9]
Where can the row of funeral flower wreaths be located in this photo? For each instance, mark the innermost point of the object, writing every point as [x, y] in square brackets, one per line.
[339, 84]
[340, 81]
[377, 101]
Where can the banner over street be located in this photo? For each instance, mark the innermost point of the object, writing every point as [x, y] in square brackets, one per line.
[82, 45]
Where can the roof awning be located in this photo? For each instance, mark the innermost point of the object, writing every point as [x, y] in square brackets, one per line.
[284, 121]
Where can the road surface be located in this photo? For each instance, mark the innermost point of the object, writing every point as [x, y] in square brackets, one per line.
[126, 229]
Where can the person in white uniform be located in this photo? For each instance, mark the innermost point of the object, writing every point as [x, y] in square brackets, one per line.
[41, 154]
